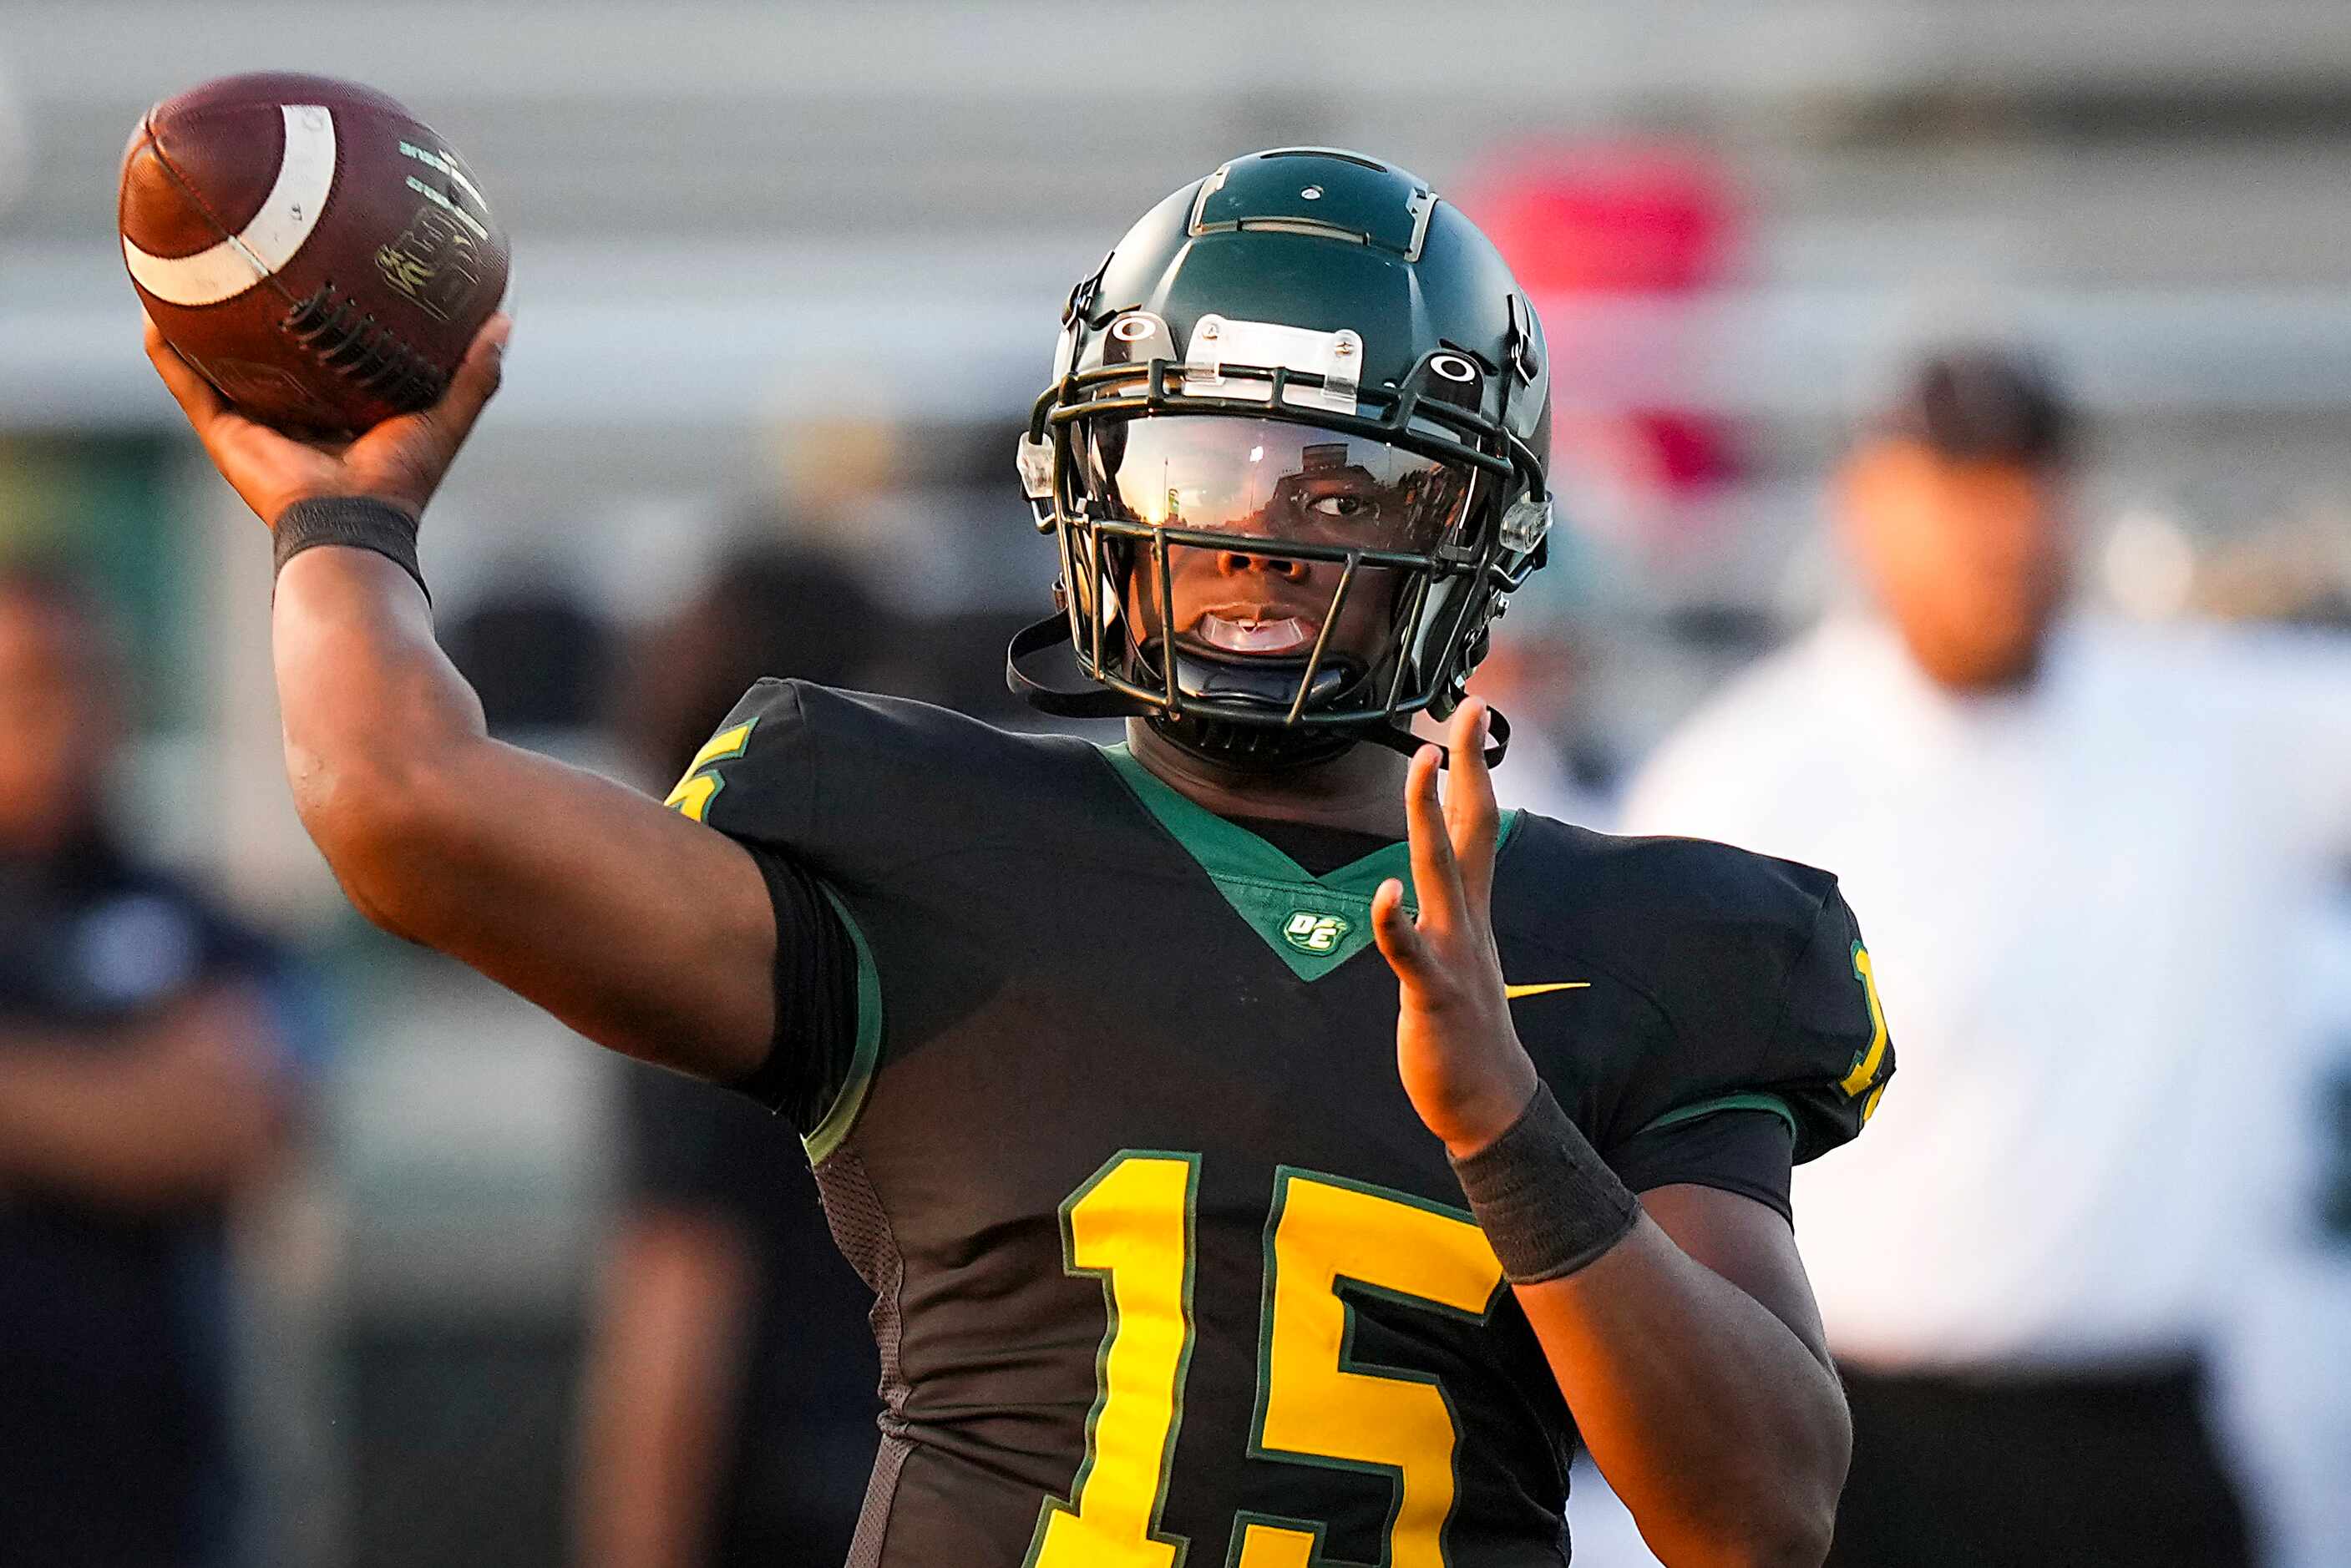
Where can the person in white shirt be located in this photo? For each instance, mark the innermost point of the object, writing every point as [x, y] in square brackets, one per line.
[2083, 848]
[2283, 1354]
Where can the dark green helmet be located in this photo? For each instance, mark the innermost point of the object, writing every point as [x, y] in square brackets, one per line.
[1331, 311]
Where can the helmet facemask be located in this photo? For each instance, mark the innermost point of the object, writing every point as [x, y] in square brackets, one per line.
[1383, 528]
[1279, 565]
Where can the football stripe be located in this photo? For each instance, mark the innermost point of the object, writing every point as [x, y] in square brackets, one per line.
[305, 176]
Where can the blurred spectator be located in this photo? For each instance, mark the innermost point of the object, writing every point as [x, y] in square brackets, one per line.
[731, 1390]
[1555, 765]
[2080, 850]
[536, 655]
[144, 1080]
[2285, 1351]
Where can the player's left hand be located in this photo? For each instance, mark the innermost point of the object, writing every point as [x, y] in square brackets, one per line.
[1456, 1050]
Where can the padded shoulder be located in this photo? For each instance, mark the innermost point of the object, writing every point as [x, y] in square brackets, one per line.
[857, 787]
[1661, 905]
[1756, 962]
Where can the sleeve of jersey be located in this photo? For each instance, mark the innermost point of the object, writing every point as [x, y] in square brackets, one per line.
[853, 787]
[1832, 1038]
[1801, 1037]
[1742, 1151]
[754, 779]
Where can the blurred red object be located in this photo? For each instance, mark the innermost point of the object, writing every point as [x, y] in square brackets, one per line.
[1584, 224]
[1608, 217]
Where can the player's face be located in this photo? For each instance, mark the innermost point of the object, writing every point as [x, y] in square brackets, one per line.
[55, 723]
[1968, 558]
[1257, 485]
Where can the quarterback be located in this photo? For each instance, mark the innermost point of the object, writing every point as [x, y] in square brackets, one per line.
[1201, 1232]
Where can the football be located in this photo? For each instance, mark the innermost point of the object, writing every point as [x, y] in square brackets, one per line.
[317, 252]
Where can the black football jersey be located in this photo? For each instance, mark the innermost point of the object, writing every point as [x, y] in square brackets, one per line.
[1166, 1270]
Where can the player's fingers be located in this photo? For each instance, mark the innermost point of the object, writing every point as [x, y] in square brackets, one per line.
[1400, 941]
[1472, 818]
[478, 377]
[198, 399]
[474, 383]
[1435, 875]
[408, 455]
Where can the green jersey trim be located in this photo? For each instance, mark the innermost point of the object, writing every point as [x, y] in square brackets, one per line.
[841, 1114]
[1744, 1101]
[1313, 924]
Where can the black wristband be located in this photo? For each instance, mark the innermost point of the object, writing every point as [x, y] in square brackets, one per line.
[1548, 1203]
[361, 521]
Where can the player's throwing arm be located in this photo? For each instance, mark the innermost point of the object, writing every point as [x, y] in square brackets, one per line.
[639, 929]
[1714, 1411]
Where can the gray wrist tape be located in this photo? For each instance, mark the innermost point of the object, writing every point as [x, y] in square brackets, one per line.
[1548, 1203]
[360, 521]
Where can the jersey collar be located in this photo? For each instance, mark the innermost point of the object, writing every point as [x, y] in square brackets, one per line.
[1313, 924]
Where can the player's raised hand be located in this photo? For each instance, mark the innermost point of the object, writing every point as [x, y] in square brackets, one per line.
[1456, 1050]
[401, 460]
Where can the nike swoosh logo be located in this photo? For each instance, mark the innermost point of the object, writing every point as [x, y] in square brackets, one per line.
[1516, 991]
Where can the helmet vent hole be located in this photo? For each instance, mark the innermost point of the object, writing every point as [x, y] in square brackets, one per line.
[1453, 368]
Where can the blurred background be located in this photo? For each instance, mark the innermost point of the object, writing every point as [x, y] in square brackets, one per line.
[785, 278]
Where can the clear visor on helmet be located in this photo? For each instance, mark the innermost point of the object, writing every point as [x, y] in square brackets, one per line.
[1272, 479]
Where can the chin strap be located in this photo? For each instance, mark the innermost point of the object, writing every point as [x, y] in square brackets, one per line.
[1259, 749]
[1089, 702]
[1251, 747]
[1497, 732]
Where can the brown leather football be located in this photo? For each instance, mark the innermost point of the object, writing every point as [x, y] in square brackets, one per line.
[319, 253]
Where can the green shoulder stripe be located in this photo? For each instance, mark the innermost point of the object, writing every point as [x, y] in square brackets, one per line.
[1749, 1101]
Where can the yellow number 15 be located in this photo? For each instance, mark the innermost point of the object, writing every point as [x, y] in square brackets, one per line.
[1133, 1227]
